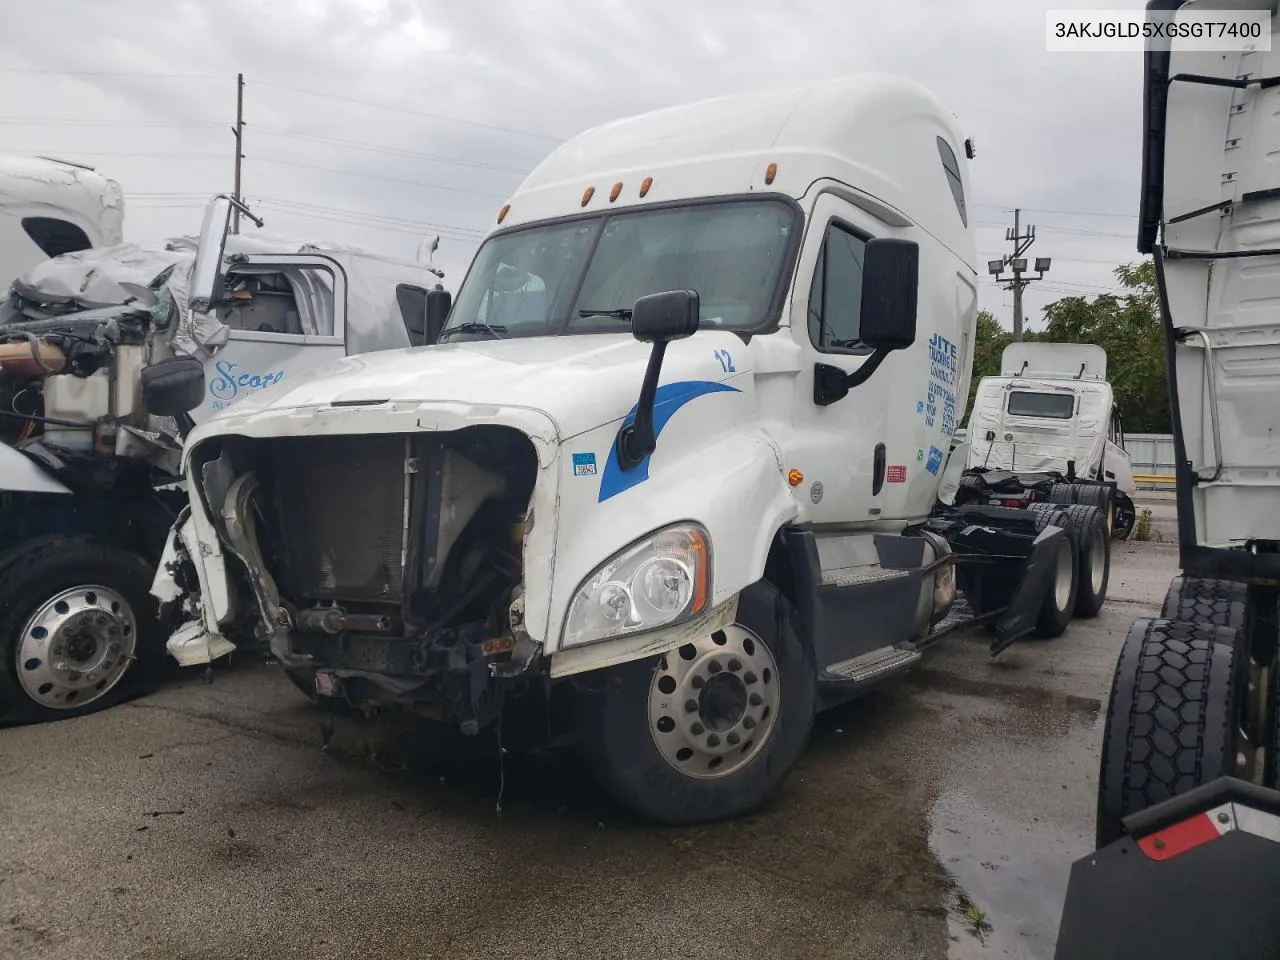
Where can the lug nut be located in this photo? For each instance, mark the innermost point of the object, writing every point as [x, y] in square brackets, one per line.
[697, 729]
[748, 677]
[713, 741]
[697, 683]
[691, 705]
[749, 722]
[755, 700]
[733, 739]
[714, 666]
[735, 665]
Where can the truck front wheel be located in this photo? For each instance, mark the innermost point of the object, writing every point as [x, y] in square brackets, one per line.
[74, 616]
[707, 731]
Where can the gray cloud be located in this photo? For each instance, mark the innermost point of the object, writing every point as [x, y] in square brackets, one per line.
[1055, 132]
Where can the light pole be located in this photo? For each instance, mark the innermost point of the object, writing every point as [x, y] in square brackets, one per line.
[1018, 263]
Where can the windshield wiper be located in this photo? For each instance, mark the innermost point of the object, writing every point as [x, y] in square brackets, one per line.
[496, 330]
[622, 313]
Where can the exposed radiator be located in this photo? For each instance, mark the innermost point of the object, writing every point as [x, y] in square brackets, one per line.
[340, 504]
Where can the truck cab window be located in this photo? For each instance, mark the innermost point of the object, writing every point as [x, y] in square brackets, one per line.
[1029, 403]
[296, 301]
[952, 169]
[55, 237]
[835, 298]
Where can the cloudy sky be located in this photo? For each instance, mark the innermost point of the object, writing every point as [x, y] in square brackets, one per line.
[380, 122]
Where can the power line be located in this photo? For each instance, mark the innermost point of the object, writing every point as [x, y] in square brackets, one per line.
[406, 110]
[119, 73]
[374, 176]
[63, 121]
[364, 215]
[1067, 213]
[448, 233]
[390, 151]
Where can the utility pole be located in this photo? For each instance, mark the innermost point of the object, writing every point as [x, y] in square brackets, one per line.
[1021, 241]
[239, 132]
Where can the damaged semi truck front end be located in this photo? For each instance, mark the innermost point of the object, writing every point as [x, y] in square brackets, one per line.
[678, 442]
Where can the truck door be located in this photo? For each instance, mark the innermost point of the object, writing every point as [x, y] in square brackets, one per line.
[286, 314]
[842, 445]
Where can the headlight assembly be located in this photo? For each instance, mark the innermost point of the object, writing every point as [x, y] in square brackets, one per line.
[660, 580]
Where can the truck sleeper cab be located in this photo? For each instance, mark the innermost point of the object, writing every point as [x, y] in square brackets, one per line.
[673, 462]
[1047, 430]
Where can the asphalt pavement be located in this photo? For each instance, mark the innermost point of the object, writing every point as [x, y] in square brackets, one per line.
[936, 817]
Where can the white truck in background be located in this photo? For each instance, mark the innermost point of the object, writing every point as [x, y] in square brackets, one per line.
[1047, 429]
[668, 475]
[51, 207]
[94, 347]
[1187, 863]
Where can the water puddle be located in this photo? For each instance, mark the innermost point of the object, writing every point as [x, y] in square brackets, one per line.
[1014, 812]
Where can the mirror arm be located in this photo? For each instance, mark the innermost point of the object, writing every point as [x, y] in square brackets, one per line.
[831, 383]
[637, 440]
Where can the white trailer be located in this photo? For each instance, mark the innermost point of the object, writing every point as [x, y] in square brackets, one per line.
[1188, 806]
[51, 207]
[673, 462]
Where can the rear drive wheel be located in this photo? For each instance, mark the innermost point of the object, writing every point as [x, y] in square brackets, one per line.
[1093, 564]
[74, 617]
[707, 731]
[1172, 718]
[1216, 603]
[1060, 599]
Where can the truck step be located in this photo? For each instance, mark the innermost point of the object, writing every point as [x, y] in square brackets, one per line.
[871, 666]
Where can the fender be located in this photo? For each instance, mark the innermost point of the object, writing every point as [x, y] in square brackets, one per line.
[20, 474]
[742, 529]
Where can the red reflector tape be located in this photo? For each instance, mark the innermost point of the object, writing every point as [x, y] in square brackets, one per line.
[1180, 837]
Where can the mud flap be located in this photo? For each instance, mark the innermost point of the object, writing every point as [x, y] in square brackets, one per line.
[1019, 619]
[1196, 877]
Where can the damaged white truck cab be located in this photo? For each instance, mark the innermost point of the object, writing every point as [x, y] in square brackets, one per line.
[673, 460]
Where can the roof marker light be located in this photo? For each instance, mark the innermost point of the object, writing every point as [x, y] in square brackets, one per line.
[645, 184]
[587, 195]
[502, 214]
[770, 172]
[613, 194]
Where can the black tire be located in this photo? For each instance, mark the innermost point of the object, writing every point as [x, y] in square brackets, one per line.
[1059, 604]
[973, 481]
[1126, 517]
[1215, 603]
[1172, 717]
[1063, 493]
[1094, 552]
[619, 744]
[1093, 495]
[30, 580]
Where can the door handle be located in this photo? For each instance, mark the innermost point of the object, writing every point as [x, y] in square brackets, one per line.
[877, 480]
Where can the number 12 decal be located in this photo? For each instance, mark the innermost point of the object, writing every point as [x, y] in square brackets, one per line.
[726, 361]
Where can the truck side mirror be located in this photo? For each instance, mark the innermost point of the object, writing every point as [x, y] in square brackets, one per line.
[657, 319]
[206, 271]
[173, 388]
[439, 302]
[890, 281]
[666, 316]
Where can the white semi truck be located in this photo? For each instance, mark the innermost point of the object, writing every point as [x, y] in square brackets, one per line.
[90, 343]
[1188, 808]
[1047, 429]
[51, 207]
[670, 471]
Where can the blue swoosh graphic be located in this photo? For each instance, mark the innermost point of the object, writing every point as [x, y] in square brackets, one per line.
[668, 399]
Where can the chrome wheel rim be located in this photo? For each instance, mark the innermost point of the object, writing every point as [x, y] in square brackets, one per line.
[1097, 560]
[1063, 572]
[713, 703]
[76, 646]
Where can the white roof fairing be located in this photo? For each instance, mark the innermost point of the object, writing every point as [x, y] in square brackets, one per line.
[875, 133]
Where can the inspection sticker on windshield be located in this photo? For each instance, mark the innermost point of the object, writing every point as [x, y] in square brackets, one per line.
[584, 464]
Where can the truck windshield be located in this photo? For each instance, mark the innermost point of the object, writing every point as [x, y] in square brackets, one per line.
[1026, 403]
[584, 275]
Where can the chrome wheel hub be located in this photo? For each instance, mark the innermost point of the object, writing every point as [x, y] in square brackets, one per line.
[1064, 570]
[714, 702]
[76, 647]
[1098, 560]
